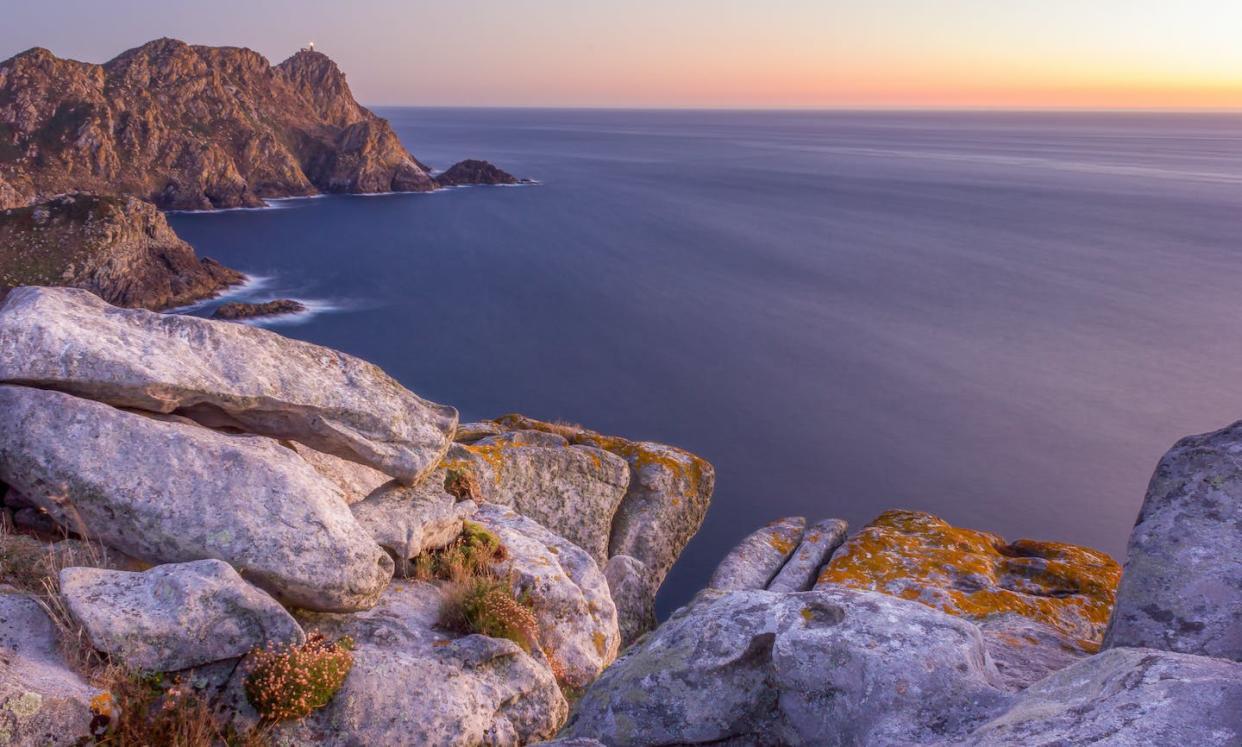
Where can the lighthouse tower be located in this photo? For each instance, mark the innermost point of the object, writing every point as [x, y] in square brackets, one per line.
[310, 47]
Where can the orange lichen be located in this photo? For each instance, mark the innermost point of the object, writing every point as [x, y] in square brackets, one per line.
[690, 470]
[977, 575]
[601, 643]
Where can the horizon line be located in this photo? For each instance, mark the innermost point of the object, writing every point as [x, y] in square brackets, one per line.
[847, 108]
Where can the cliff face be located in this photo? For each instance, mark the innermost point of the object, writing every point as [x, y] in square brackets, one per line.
[120, 248]
[191, 127]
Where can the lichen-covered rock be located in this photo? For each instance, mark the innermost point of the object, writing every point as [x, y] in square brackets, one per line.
[355, 480]
[1126, 696]
[220, 374]
[629, 583]
[802, 568]
[827, 667]
[664, 505]
[572, 490]
[42, 701]
[755, 560]
[166, 492]
[415, 684]
[174, 616]
[569, 595]
[1025, 651]
[978, 575]
[1182, 587]
[407, 521]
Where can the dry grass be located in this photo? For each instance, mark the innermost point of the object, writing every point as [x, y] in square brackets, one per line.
[475, 552]
[290, 681]
[488, 606]
[461, 484]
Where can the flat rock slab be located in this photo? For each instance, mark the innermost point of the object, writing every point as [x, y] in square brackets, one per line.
[830, 667]
[755, 560]
[415, 684]
[356, 481]
[569, 594]
[167, 492]
[174, 616]
[42, 701]
[802, 568]
[1182, 586]
[220, 374]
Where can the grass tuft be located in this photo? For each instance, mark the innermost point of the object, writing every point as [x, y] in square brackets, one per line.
[488, 606]
[472, 554]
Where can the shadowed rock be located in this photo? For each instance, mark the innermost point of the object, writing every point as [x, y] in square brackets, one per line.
[174, 616]
[1182, 586]
[759, 557]
[42, 701]
[236, 310]
[167, 492]
[472, 172]
[802, 569]
[223, 375]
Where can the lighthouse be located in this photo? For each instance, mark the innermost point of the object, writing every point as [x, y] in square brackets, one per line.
[310, 47]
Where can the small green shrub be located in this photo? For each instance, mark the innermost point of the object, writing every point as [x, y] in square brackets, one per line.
[487, 605]
[472, 554]
[289, 681]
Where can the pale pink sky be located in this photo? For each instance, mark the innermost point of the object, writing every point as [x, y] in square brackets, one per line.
[731, 53]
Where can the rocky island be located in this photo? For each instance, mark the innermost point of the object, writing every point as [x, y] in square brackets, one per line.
[279, 307]
[210, 529]
[185, 128]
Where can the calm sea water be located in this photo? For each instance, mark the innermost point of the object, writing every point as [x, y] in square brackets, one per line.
[1001, 318]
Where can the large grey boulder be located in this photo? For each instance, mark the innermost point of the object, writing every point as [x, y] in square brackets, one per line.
[221, 374]
[1126, 696]
[166, 492]
[802, 568]
[569, 594]
[1182, 585]
[756, 560]
[407, 521]
[174, 616]
[825, 667]
[42, 701]
[572, 490]
[415, 684]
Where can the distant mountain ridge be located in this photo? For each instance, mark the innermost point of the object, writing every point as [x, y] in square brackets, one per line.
[192, 127]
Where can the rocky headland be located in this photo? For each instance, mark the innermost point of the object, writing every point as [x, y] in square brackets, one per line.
[215, 531]
[185, 128]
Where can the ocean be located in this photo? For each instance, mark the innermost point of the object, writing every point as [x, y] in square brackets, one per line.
[1001, 318]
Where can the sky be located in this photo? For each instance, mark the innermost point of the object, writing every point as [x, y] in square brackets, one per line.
[702, 53]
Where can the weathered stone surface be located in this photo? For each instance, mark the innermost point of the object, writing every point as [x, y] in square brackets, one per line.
[42, 701]
[572, 490]
[802, 569]
[573, 608]
[468, 433]
[755, 560]
[406, 521]
[119, 248]
[174, 616]
[356, 481]
[221, 374]
[629, 583]
[1182, 587]
[1024, 650]
[414, 684]
[827, 667]
[166, 492]
[978, 575]
[1126, 696]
